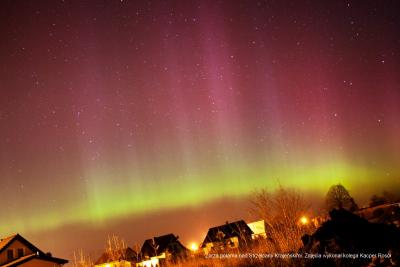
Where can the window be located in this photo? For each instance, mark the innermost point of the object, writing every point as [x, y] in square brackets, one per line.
[10, 254]
[20, 252]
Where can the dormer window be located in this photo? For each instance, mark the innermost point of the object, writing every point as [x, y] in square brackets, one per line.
[20, 252]
[10, 254]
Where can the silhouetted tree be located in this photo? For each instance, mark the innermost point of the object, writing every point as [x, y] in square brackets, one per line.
[339, 198]
[281, 211]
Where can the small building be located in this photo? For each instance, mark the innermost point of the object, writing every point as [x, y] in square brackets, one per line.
[258, 228]
[17, 251]
[235, 235]
[126, 257]
[159, 249]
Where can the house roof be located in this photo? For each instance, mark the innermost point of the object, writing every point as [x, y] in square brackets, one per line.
[228, 230]
[5, 242]
[26, 258]
[128, 255]
[161, 244]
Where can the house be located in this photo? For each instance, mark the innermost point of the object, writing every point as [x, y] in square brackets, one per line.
[122, 258]
[162, 248]
[345, 232]
[17, 251]
[384, 213]
[233, 235]
[258, 228]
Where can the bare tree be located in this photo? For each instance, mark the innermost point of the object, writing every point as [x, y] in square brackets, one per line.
[281, 211]
[116, 248]
[244, 237]
[339, 198]
[154, 246]
[81, 260]
[138, 253]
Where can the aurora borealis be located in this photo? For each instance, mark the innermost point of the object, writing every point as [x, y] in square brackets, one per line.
[119, 108]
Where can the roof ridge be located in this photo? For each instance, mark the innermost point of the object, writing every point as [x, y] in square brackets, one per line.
[5, 241]
[20, 259]
[9, 236]
[228, 223]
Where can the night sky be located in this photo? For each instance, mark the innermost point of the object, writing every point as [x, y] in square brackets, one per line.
[119, 108]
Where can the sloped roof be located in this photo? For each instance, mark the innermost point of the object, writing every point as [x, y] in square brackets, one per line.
[129, 255]
[5, 242]
[26, 258]
[161, 244]
[20, 260]
[228, 230]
